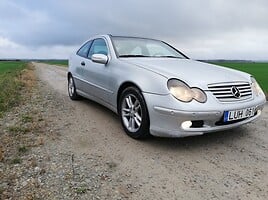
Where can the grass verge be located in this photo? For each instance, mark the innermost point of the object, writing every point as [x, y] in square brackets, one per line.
[23, 129]
[10, 84]
[16, 82]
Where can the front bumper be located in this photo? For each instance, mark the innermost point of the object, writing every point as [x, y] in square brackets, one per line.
[167, 115]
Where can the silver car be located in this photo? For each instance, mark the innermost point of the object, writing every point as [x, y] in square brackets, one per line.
[156, 89]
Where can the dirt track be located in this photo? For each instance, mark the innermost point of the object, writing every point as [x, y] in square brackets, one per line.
[225, 165]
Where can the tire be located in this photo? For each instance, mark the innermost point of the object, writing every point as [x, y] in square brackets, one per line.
[134, 114]
[72, 89]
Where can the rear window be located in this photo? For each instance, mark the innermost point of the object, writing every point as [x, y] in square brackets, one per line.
[83, 51]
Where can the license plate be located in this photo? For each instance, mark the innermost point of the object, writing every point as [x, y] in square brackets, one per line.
[238, 114]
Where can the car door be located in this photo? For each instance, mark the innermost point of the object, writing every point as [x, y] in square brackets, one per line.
[79, 62]
[95, 74]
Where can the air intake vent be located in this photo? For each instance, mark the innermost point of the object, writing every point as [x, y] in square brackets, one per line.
[231, 92]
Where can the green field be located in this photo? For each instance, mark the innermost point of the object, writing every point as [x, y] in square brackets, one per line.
[258, 70]
[10, 86]
[56, 62]
[10, 67]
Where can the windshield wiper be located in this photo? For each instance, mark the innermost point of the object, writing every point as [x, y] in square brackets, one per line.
[143, 56]
[132, 55]
[169, 57]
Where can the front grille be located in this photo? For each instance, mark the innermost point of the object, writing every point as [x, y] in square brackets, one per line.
[223, 91]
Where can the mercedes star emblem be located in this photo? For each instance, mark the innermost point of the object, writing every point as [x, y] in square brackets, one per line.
[235, 92]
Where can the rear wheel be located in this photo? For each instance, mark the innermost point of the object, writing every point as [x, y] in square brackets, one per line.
[133, 113]
[72, 89]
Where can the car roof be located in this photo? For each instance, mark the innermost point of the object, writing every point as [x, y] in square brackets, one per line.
[121, 36]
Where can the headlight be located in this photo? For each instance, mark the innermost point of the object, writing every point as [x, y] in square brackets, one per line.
[256, 88]
[183, 92]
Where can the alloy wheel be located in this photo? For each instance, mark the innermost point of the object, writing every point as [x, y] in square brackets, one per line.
[131, 113]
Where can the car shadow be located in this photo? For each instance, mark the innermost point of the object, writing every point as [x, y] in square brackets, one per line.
[208, 140]
[100, 108]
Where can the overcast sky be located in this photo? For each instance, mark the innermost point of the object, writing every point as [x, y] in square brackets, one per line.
[202, 29]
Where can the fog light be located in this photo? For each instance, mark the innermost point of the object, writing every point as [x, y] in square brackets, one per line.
[186, 124]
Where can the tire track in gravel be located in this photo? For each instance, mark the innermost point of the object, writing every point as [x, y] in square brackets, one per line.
[225, 165]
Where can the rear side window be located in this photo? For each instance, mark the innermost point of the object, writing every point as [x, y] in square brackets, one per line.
[83, 51]
[98, 46]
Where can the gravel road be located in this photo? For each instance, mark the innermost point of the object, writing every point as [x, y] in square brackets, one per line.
[104, 163]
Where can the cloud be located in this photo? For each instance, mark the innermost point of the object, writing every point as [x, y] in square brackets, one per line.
[204, 29]
[11, 50]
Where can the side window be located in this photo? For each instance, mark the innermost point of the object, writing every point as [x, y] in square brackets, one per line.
[98, 46]
[83, 51]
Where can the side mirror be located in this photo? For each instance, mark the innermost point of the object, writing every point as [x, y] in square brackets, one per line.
[99, 58]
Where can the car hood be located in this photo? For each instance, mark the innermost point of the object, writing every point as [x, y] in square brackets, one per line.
[194, 73]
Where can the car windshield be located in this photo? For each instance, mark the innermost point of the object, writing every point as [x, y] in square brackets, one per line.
[140, 47]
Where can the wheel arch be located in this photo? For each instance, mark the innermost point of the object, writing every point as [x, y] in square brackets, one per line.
[122, 87]
[69, 74]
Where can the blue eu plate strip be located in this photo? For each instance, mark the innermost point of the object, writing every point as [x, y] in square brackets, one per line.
[225, 117]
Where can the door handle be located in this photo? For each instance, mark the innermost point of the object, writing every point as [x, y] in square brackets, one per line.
[83, 63]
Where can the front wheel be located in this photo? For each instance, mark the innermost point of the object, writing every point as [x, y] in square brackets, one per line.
[133, 113]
